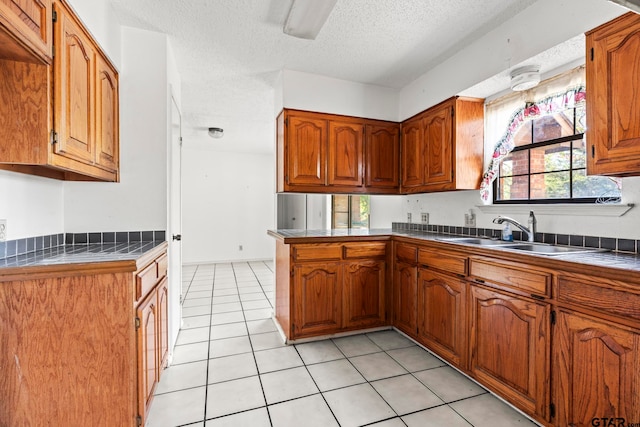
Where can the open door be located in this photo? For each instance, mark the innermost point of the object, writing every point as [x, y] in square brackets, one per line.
[175, 224]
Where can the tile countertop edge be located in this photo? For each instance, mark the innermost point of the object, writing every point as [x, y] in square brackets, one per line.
[98, 266]
[611, 264]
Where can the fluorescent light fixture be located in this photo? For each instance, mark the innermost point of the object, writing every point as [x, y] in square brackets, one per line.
[216, 133]
[633, 5]
[306, 17]
[524, 78]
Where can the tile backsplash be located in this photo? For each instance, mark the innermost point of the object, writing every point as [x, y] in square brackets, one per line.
[31, 244]
[619, 245]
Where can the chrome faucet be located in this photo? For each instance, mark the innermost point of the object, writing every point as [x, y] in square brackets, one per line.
[531, 222]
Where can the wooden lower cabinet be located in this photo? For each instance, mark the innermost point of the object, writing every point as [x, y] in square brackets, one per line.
[71, 350]
[596, 371]
[510, 348]
[405, 298]
[317, 298]
[364, 293]
[442, 317]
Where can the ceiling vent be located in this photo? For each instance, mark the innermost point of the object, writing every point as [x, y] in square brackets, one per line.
[633, 5]
[524, 78]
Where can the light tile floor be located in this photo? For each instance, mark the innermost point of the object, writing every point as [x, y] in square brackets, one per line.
[231, 368]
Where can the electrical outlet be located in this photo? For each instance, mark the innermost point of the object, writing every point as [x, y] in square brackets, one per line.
[424, 217]
[3, 230]
[409, 217]
[470, 219]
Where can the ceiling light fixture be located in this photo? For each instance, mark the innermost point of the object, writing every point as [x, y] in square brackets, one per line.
[306, 18]
[633, 5]
[524, 78]
[216, 133]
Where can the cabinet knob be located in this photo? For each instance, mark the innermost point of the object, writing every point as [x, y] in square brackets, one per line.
[177, 237]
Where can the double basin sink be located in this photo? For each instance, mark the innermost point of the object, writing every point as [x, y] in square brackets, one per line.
[528, 247]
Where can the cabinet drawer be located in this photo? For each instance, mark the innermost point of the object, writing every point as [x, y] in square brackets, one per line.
[146, 280]
[162, 263]
[511, 275]
[365, 250]
[452, 263]
[406, 253]
[605, 296]
[317, 252]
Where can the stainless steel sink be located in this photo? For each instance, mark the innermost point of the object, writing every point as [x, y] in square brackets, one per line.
[543, 249]
[474, 241]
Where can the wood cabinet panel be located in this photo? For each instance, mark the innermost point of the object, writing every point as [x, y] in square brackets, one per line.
[412, 154]
[406, 253]
[364, 293]
[306, 153]
[365, 250]
[148, 364]
[315, 252]
[442, 319]
[510, 348]
[382, 152]
[442, 260]
[346, 157]
[106, 116]
[613, 90]
[514, 276]
[437, 138]
[163, 323]
[405, 298]
[596, 370]
[317, 298]
[25, 30]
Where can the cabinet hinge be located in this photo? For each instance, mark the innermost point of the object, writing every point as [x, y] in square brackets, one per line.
[137, 323]
[180, 141]
[553, 317]
[54, 16]
[54, 137]
[593, 151]
[592, 54]
[138, 420]
[286, 122]
[552, 410]
[453, 113]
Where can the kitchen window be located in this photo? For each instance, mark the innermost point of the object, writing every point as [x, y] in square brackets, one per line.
[348, 211]
[540, 148]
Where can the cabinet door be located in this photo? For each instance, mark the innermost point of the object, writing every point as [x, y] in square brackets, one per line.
[345, 154]
[29, 22]
[317, 298]
[73, 99]
[148, 370]
[306, 151]
[163, 323]
[613, 90]
[596, 371]
[364, 287]
[510, 348]
[442, 315]
[405, 295]
[412, 154]
[438, 143]
[382, 153]
[106, 115]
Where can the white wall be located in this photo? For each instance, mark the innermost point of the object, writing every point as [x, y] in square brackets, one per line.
[227, 201]
[544, 24]
[304, 91]
[139, 200]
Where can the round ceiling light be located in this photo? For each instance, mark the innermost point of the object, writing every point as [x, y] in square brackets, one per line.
[216, 133]
[524, 78]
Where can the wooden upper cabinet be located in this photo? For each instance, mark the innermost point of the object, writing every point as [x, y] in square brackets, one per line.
[443, 147]
[613, 91]
[438, 158]
[106, 114]
[346, 154]
[412, 151]
[25, 30]
[596, 370]
[382, 154]
[510, 344]
[306, 154]
[73, 98]
[325, 153]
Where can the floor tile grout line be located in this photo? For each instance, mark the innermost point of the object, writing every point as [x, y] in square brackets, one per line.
[206, 381]
[253, 353]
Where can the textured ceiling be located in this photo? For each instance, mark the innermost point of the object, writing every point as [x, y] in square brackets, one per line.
[229, 52]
